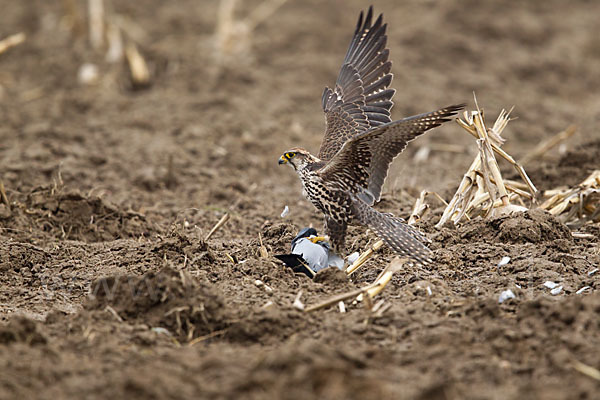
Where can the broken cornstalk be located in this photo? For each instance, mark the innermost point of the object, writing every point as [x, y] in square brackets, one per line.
[217, 226]
[11, 41]
[483, 190]
[370, 290]
[578, 205]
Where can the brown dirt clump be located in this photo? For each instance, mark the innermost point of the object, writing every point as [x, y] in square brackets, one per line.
[267, 325]
[332, 276]
[168, 299]
[308, 368]
[532, 226]
[22, 330]
[279, 236]
[72, 216]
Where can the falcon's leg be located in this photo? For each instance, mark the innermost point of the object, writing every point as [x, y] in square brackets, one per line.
[337, 234]
[400, 237]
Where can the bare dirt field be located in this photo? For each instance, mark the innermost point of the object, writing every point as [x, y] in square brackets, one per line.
[109, 290]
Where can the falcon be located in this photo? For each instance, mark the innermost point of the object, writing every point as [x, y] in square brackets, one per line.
[345, 180]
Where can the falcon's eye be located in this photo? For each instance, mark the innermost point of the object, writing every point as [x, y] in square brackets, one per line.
[290, 155]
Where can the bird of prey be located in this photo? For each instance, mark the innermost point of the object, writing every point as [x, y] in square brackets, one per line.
[344, 181]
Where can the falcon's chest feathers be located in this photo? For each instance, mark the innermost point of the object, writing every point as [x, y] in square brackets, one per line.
[313, 186]
[330, 200]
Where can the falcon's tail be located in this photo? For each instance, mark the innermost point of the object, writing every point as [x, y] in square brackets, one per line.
[400, 237]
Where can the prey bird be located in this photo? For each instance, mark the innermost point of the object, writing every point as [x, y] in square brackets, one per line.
[344, 181]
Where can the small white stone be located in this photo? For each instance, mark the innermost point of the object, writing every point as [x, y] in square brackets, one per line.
[267, 304]
[261, 284]
[285, 212]
[556, 290]
[592, 272]
[353, 257]
[562, 148]
[429, 290]
[298, 304]
[161, 331]
[504, 261]
[550, 284]
[88, 74]
[505, 295]
[186, 224]
[583, 289]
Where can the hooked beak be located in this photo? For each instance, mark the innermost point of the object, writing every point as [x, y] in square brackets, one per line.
[282, 160]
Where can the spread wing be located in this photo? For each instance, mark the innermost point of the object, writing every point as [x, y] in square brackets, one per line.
[361, 99]
[362, 164]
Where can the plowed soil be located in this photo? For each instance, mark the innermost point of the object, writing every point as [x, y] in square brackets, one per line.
[108, 288]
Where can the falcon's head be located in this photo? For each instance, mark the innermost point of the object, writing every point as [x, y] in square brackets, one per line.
[297, 158]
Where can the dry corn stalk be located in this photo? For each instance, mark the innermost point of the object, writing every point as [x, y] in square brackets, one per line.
[96, 23]
[114, 38]
[370, 290]
[586, 369]
[121, 35]
[3, 197]
[420, 208]
[384, 278]
[233, 37]
[217, 226]
[364, 257]
[482, 190]
[11, 41]
[546, 145]
[139, 72]
[578, 205]
[262, 249]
